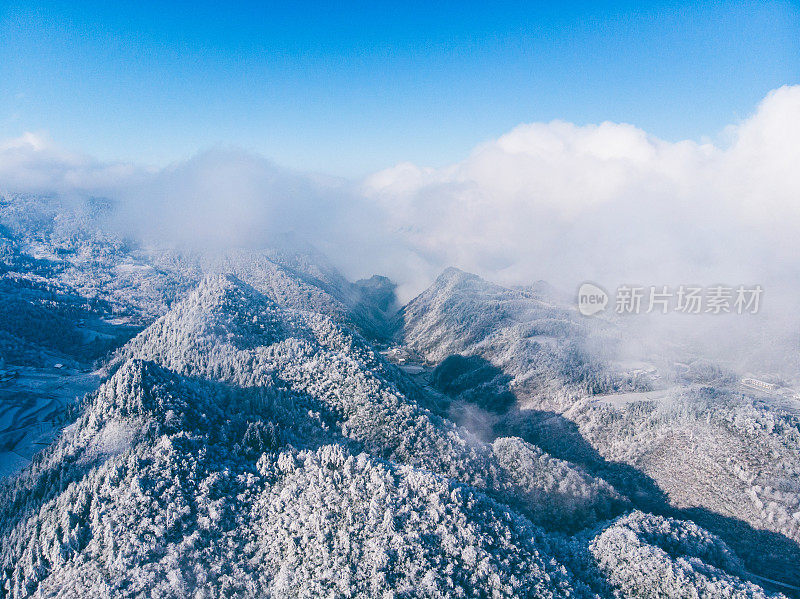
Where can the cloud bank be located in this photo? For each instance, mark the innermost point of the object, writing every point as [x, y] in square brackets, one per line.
[609, 202]
[32, 163]
[554, 201]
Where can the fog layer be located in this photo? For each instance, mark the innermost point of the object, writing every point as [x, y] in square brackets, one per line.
[556, 201]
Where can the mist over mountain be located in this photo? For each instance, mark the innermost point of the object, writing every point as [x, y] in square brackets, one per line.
[399, 300]
[247, 422]
[553, 201]
[223, 378]
[556, 201]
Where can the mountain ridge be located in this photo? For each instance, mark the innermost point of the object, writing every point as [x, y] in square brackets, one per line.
[251, 439]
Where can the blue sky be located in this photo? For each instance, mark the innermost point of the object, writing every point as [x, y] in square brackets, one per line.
[350, 89]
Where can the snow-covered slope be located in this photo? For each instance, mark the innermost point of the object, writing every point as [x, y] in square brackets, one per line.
[227, 331]
[245, 449]
[698, 448]
[542, 345]
[71, 292]
[245, 437]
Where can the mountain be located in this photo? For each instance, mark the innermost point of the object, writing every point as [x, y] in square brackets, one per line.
[172, 486]
[693, 445]
[242, 448]
[226, 330]
[248, 436]
[72, 291]
[540, 343]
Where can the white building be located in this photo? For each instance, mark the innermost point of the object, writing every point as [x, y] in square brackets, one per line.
[760, 385]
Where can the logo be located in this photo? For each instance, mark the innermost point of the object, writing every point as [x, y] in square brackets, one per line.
[663, 299]
[591, 299]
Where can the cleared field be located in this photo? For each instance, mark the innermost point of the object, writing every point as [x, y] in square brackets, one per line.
[31, 405]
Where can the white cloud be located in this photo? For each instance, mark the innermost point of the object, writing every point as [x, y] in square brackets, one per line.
[32, 163]
[606, 203]
[216, 198]
[609, 202]
[555, 200]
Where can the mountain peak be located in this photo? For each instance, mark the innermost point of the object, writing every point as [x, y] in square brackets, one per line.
[452, 273]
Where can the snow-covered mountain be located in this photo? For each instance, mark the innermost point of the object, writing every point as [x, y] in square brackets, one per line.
[71, 292]
[694, 446]
[247, 433]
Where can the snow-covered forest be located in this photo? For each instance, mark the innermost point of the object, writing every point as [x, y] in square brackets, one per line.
[252, 424]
